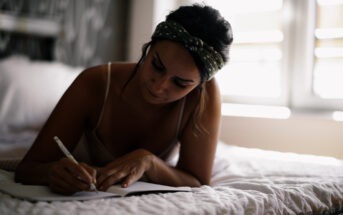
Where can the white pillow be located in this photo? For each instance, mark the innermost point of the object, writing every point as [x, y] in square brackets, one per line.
[29, 90]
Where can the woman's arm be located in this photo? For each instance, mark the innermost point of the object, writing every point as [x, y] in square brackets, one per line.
[194, 167]
[68, 120]
[196, 155]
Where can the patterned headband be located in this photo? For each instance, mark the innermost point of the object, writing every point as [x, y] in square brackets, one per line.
[210, 58]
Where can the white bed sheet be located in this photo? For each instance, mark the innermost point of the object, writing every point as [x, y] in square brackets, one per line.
[244, 181]
[13, 146]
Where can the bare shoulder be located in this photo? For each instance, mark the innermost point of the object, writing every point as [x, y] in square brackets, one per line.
[120, 73]
[212, 96]
[212, 92]
[212, 99]
[97, 75]
[93, 78]
[212, 87]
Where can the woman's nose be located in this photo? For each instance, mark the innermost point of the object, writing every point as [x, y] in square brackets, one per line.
[160, 85]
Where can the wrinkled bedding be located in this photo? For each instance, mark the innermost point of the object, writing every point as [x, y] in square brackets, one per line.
[244, 181]
[13, 146]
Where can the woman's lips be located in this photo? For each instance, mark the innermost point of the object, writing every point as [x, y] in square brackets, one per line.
[153, 95]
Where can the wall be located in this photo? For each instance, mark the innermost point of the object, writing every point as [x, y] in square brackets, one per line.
[145, 15]
[300, 134]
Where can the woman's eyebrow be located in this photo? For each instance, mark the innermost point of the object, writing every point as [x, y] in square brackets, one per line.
[159, 60]
[185, 80]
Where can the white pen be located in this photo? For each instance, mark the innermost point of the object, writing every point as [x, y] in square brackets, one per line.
[70, 156]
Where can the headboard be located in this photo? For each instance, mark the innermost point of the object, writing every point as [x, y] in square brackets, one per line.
[78, 33]
[28, 30]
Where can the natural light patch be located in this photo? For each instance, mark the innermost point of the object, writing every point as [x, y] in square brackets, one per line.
[329, 33]
[328, 52]
[254, 68]
[329, 2]
[328, 73]
[328, 79]
[247, 6]
[253, 53]
[251, 78]
[258, 36]
[259, 111]
[337, 115]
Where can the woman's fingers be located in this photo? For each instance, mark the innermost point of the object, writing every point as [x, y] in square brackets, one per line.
[105, 173]
[70, 177]
[130, 166]
[132, 177]
[130, 174]
[112, 179]
[77, 170]
[89, 171]
[61, 179]
[67, 178]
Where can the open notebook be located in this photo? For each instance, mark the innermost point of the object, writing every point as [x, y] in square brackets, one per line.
[43, 193]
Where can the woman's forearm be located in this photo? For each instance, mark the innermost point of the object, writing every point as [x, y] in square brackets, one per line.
[33, 173]
[161, 173]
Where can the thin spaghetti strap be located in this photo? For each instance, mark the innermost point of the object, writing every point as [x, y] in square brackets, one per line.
[178, 125]
[106, 94]
[180, 117]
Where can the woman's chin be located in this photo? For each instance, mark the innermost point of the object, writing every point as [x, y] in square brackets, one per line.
[153, 100]
[156, 101]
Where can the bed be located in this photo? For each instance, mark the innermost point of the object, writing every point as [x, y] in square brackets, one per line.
[244, 180]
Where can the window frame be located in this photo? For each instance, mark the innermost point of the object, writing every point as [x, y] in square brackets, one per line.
[302, 95]
[299, 23]
[297, 64]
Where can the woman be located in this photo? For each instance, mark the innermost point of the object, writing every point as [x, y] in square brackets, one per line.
[130, 117]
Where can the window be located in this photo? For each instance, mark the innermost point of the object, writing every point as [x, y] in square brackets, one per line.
[328, 67]
[285, 52]
[255, 68]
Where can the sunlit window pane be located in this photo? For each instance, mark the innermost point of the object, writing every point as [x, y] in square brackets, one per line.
[328, 78]
[253, 71]
[254, 68]
[328, 67]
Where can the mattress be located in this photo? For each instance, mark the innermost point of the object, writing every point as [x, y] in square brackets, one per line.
[13, 146]
[244, 181]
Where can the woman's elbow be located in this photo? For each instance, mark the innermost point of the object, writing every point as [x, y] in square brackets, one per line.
[205, 182]
[199, 182]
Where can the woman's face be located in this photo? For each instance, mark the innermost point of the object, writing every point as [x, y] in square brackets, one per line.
[168, 73]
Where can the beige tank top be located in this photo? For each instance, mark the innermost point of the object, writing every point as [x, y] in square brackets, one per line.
[90, 148]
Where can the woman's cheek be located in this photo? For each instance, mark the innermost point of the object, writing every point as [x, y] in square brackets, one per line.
[182, 93]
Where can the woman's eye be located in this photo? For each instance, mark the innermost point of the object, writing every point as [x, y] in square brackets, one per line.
[177, 83]
[159, 68]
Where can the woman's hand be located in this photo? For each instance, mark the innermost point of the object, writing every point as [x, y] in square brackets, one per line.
[66, 177]
[129, 167]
